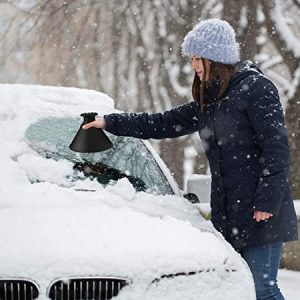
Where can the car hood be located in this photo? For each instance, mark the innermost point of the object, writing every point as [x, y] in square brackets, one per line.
[97, 238]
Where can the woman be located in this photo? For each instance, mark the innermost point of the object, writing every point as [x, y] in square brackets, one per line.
[238, 115]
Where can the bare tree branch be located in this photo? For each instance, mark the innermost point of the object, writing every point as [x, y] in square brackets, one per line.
[276, 38]
[296, 2]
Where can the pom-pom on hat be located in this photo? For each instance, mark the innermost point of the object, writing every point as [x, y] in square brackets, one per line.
[212, 39]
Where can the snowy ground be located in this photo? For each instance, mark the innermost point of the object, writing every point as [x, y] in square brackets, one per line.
[289, 284]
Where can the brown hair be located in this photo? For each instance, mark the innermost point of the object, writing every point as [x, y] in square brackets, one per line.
[218, 71]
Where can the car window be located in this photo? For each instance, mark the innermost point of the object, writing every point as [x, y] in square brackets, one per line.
[51, 137]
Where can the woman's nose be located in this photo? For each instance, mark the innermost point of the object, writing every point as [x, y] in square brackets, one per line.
[193, 64]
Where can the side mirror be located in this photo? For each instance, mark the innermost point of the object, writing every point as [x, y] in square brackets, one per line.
[199, 186]
[191, 197]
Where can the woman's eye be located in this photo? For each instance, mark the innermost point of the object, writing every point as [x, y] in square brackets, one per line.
[196, 58]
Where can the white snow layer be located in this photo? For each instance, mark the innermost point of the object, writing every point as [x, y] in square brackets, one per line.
[51, 231]
[288, 282]
[292, 41]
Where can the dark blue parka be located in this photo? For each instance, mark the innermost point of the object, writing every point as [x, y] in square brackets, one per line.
[246, 143]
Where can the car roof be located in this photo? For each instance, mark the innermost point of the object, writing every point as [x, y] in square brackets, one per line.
[50, 100]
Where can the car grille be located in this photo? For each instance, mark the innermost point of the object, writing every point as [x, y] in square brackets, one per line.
[15, 289]
[87, 288]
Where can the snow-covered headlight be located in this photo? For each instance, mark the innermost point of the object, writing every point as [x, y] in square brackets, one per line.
[217, 284]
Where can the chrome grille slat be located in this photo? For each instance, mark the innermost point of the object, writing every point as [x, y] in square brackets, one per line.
[112, 287]
[18, 289]
[74, 290]
[68, 297]
[5, 291]
[80, 285]
[106, 291]
[11, 291]
[86, 288]
[94, 290]
[24, 291]
[62, 290]
[100, 289]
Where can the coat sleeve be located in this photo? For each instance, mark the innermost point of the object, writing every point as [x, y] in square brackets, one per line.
[180, 120]
[267, 119]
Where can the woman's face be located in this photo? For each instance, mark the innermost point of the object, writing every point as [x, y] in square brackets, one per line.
[198, 67]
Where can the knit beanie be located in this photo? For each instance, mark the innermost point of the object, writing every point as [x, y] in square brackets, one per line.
[212, 39]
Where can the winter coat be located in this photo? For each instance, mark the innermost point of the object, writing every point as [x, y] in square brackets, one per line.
[246, 143]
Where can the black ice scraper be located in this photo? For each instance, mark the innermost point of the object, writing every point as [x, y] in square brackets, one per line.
[92, 139]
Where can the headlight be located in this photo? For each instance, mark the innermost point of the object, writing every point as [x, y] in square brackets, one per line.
[216, 284]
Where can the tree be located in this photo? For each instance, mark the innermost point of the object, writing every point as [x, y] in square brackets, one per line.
[267, 31]
[288, 46]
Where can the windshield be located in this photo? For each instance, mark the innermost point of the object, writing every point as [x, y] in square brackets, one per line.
[128, 157]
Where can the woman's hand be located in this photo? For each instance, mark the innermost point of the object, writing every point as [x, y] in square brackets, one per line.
[261, 215]
[98, 123]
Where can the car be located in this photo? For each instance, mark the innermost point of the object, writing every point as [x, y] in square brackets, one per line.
[111, 224]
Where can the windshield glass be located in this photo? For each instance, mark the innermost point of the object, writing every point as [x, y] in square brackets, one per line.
[128, 157]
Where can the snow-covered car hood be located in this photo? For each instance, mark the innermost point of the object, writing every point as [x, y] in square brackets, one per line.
[51, 231]
[97, 239]
[100, 233]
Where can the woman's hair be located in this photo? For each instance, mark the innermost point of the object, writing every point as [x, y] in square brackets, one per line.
[218, 71]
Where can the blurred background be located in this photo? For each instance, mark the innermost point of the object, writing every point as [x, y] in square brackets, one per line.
[130, 50]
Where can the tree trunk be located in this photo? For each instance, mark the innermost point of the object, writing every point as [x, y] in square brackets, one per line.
[247, 35]
[293, 124]
[174, 161]
[200, 163]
